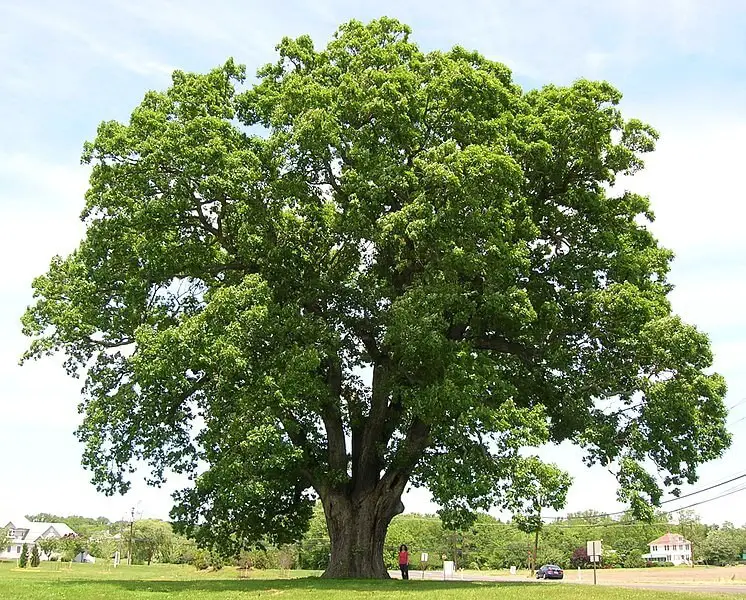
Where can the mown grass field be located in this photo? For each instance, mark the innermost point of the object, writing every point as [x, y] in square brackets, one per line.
[171, 582]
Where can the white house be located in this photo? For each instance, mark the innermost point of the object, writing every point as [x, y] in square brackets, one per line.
[23, 531]
[672, 547]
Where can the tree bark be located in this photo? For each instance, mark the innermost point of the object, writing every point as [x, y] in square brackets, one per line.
[357, 530]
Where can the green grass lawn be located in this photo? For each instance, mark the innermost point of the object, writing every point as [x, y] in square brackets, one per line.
[166, 582]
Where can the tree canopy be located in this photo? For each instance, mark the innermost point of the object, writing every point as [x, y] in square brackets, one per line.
[372, 267]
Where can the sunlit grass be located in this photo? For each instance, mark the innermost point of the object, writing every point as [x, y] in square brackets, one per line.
[168, 582]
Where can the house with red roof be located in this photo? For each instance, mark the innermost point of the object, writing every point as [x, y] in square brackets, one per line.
[672, 548]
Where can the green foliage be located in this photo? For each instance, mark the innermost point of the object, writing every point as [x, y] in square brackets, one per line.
[70, 546]
[82, 526]
[152, 539]
[633, 561]
[183, 550]
[415, 216]
[102, 547]
[35, 558]
[23, 559]
[315, 546]
[721, 547]
[201, 559]
[536, 486]
[204, 559]
[49, 546]
[5, 538]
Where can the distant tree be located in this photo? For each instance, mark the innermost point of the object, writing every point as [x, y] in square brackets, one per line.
[633, 561]
[102, 547]
[539, 486]
[70, 546]
[83, 526]
[5, 538]
[692, 528]
[49, 546]
[287, 557]
[580, 558]
[629, 551]
[315, 546]
[45, 518]
[23, 559]
[35, 559]
[720, 548]
[611, 558]
[152, 540]
[182, 550]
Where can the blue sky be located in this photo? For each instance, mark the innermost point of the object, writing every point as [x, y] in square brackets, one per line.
[66, 66]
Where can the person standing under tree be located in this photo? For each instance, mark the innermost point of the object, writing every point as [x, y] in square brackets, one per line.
[404, 561]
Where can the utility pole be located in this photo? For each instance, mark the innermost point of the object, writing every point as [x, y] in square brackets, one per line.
[132, 527]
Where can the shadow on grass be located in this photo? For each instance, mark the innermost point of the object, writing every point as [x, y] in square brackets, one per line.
[307, 583]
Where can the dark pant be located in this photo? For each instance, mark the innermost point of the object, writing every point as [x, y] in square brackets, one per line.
[404, 571]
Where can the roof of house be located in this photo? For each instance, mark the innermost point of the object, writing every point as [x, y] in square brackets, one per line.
[37, 530]
[670, 538]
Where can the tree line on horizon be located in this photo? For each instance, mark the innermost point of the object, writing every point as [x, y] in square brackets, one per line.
[489, 543]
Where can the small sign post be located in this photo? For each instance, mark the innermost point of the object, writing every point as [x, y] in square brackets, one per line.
[594, 551]
[423, 563]
[448, 569]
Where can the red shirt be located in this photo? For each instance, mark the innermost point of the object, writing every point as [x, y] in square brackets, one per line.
[403, 557]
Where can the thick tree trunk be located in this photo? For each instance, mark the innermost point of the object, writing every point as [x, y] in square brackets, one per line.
[357, 530]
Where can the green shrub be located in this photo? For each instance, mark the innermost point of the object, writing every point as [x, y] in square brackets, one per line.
[633, 561]
[35, 560]
[201, 559]
[23, 559]
[216, 561]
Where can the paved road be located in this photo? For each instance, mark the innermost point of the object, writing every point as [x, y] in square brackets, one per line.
[713, 588]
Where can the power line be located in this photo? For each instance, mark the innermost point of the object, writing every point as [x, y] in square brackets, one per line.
[668, 501]
[741, 401]
[670, 512]
[707, 489]
[737, 421]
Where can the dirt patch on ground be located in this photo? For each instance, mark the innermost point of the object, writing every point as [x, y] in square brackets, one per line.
[664, 575]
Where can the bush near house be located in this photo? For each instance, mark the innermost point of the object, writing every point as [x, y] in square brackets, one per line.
[23, 559]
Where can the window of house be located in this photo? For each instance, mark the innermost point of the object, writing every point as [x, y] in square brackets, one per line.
[655, 548]
[18, 549]
[11, 533]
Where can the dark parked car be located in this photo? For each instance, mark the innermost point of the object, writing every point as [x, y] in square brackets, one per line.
[550, 572]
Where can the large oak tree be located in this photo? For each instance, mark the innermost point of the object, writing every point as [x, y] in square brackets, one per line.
[373, 267]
